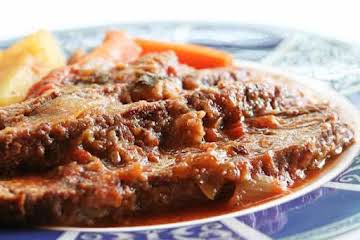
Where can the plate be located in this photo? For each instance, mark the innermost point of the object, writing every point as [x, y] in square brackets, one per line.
[327, 208]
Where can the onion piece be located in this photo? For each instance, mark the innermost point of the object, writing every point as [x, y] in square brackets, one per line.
[210, 186]
[257, 189]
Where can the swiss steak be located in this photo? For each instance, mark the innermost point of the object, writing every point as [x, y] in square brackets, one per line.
[99, 144]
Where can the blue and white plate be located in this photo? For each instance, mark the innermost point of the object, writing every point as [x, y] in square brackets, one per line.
[328, 208]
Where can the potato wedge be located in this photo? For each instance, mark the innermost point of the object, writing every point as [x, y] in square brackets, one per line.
[26, 62]
[42, 45]
[17, 75]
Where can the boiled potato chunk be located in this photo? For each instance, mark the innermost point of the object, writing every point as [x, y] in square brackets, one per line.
[17, 75]
[42, 45]
[26, 62]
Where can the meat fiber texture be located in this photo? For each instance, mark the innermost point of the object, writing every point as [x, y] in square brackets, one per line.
[99, 144]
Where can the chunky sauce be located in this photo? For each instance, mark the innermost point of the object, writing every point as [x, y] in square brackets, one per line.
[217, 208]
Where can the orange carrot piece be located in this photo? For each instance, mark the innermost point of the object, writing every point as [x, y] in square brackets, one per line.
[117, 47]
[190, 54]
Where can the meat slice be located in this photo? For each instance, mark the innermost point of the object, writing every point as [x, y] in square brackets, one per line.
[145, 101]
[64, 122]
[160, 65]
[242, 170]
[99, 144]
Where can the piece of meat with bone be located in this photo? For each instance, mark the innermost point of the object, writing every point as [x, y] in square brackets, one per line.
[102, 145]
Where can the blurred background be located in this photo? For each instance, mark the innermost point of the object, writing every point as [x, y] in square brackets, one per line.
[336, 19]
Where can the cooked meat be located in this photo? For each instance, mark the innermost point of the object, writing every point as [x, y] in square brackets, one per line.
[99, 145]
[160, 65]
[38, 132]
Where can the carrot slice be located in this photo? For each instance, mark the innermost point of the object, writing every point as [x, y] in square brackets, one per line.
[190, 54]
[117, 47]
